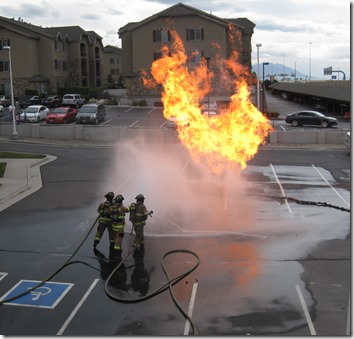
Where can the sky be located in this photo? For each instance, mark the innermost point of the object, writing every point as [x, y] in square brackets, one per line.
[306, 35]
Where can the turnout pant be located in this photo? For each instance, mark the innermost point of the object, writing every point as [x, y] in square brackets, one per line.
[118, 231]
[139, 234]
[100, 230]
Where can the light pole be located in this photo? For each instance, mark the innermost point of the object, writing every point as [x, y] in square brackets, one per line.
[263, 96]
[14, 133]
[310, 63]
[258, 45]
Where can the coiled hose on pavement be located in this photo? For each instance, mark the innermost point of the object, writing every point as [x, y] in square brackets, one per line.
[168, 284]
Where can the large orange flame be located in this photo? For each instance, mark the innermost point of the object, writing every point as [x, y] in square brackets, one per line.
[232, 136]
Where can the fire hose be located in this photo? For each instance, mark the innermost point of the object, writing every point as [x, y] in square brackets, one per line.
[304, 202]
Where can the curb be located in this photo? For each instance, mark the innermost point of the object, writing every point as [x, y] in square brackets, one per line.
[33, 183]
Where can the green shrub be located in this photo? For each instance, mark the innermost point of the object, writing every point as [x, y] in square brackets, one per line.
[142, 103]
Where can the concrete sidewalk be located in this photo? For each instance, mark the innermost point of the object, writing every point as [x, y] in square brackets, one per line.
[22, 177]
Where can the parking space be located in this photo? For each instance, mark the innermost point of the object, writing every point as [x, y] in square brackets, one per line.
[264, 258]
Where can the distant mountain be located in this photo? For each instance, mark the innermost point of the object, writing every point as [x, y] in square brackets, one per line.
[278, 70]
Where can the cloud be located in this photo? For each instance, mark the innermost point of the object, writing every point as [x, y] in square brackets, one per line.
[114, 12]
[273, 27]
[91, 16]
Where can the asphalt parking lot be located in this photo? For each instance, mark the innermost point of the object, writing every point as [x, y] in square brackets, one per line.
[273, 242]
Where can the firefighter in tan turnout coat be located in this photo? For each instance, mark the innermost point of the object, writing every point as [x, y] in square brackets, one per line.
[117, 213]
[138, 216]
[104, 220]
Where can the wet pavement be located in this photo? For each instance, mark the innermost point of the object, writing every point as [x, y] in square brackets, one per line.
[268, 264]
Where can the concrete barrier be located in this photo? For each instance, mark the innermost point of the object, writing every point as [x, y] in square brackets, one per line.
[158, 135]
[308, 137]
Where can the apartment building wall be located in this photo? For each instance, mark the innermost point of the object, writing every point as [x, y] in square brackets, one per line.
[112, 64]
[44, 59]
[140, 49]
[143, 46]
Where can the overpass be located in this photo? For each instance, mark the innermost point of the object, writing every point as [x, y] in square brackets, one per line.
[329, 96]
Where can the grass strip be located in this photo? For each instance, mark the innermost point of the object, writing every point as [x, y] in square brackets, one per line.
[18, 155]
[2, 168]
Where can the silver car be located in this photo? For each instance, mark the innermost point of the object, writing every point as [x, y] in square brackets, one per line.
[34, 113]
[91, 114]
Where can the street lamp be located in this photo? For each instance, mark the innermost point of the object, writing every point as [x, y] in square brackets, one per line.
[258, 45]
[14, 133]
[263, 96]
[310, 63]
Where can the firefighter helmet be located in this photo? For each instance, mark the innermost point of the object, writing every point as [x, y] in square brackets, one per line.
[109, 195]
[140, 197]
[119, 198]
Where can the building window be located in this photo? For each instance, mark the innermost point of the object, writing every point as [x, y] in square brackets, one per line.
[4, 66]
[195, 56]
[161, 35]
[114, 61]
[4, 42]
[196, 34]
[83, 50]
[56, 44]
[97, 53]
[159, 55]
[56, 65]
[114, 71]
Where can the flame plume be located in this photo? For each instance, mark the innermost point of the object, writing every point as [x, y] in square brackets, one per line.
[232, 136]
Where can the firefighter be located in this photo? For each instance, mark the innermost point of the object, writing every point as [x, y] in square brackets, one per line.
[104, 220]
[138, 216]
[117, 213]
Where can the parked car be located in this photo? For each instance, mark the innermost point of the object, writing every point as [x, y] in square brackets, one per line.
[211, 112]
[1, 111]
[91, 114]
[29, 100]
[62, 115]
[52, 101]
[310, 118]
[172, 122]
[73, 100]
[347, 141]
[34, 113]
[5, 100]
[211, 104]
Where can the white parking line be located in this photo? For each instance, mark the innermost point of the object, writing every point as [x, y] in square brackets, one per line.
[330, 185]
[283, 128]
[306, 312]
[76, 309]
[3, 275]
[106, 122]
[163, 124]
[281, 189]
[129, 109]
[190, 308]
[133, 123]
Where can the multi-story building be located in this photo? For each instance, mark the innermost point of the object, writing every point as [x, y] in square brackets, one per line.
[112, 65]
[45, 59]
[200, 32]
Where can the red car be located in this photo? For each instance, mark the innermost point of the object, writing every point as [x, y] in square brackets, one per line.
[61, 115]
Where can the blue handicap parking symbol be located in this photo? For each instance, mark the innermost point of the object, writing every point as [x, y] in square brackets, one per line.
[47, 295]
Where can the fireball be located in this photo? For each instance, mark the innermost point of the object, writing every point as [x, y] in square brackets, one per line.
[234, 135]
